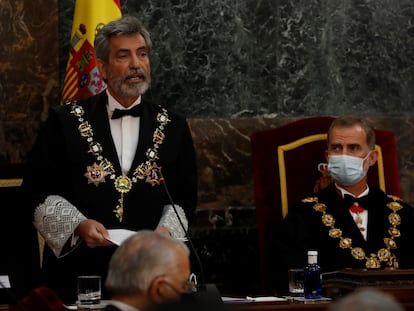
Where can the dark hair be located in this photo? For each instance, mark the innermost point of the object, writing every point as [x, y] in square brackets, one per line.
[126, 25]
[349, 121]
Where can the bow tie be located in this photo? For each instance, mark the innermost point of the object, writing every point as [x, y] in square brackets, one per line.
[362, 201]
[135, 111]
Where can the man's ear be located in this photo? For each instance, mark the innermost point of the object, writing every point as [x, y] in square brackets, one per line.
[157, 291]
[102, 68]
[373, 157]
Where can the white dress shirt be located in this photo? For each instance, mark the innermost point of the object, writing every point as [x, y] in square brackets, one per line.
[125, 133]
[363, 215]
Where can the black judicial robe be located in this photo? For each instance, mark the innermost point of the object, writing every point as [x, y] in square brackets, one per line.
[303, 230]
[58, 163]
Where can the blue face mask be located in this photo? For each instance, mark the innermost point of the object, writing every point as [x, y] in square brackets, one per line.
[347, 170]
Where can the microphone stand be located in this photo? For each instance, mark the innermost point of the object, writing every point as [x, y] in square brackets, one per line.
[204, 296]
[161, 179]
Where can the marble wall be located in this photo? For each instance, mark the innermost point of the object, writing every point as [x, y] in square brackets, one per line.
[230, 58]
[233, 67]
[228, 61]
[29, 73]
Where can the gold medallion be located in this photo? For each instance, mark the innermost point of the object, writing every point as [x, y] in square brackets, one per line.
[358, 253]
[119, 209]
[335, 233]
[85, 129]
[384, 254]
[123, 184]
[310, 200]
[328, 220]
[394, 232]
[394, 219]
[373, 262]
[95, 174]
[320, 207]
[395, 206]
[345, 243]
[152, 174]
[390, 243]
[141, 171]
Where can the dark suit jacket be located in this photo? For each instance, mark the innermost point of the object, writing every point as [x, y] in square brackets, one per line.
[302, 230]
[59, 160]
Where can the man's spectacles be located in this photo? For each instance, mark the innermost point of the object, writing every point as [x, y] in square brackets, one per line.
[189, 287]
[192, 283]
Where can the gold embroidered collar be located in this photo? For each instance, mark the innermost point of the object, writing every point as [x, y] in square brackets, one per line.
[102, 167]
[374, 260]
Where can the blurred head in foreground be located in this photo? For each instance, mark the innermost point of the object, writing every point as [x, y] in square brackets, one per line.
[149, 268]
[367, 299]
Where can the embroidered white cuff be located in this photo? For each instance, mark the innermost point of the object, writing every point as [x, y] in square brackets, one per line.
[172, 223]
[56, 219]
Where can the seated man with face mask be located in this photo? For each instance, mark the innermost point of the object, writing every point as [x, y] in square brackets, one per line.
[350, 223]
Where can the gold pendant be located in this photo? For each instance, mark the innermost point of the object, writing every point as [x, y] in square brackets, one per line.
[358, 221]
[373, 262]
[148, 171]
[119, 209]
[152, 176]
[95, 174]
[141, 170]
[358, 253]
[328, 220]
[123, 184]
[384, 254]
[345, 243]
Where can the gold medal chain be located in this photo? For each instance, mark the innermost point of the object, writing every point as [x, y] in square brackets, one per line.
[383, 254]
[102, 167]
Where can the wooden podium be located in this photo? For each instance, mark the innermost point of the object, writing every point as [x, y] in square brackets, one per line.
[398, 282]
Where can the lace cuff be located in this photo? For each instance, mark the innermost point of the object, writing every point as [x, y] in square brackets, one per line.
[172, 223]
[56, 219]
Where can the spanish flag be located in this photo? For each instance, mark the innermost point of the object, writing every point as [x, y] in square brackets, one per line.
[82, 77]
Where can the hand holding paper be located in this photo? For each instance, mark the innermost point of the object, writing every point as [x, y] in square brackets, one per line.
[117, 236]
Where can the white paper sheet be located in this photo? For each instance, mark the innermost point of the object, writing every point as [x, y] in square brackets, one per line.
[117, 236]
[265, 299]
[5, 281]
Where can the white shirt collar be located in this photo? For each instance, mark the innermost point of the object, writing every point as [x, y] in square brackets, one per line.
[343, 192]
[113, 103]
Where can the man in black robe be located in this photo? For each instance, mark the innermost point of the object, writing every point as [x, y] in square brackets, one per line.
[350, 223]
[95, 165]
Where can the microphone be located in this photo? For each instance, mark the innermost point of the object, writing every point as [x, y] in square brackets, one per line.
[161, 179]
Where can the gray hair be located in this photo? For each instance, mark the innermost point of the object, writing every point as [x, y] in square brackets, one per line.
[367, 299]
[140, 259]
[126, 25]
[349, 121]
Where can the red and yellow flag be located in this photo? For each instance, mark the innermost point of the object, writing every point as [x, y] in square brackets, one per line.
[82, 77]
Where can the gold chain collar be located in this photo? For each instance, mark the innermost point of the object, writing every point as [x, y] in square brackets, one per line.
[383, 254]
[102, 167]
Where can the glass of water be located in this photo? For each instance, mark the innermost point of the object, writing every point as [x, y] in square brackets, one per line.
[89, 289]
